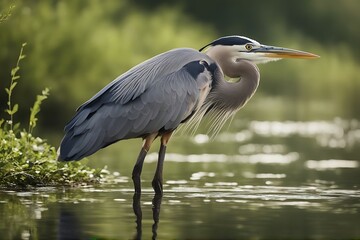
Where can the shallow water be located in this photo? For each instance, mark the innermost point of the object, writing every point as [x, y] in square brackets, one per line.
[289, 180]
[218, 210]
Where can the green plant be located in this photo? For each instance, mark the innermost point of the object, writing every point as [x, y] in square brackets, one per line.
[26, 160]
[30, 161]
[7, 14]
[13, 108]
[36, 109]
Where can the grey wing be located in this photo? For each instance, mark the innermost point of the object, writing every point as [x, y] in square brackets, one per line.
[163, 105]
[134, 82]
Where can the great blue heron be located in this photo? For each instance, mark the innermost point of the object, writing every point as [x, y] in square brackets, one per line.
[153, 98]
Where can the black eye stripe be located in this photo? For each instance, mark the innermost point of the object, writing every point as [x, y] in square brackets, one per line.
[228, 41]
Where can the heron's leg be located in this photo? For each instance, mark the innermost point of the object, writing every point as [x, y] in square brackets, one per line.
[157, 182]
[140, 161]
[137, 170]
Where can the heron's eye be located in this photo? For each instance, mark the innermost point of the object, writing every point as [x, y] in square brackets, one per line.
[248, 47]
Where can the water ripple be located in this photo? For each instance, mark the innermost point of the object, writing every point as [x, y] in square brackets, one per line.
[220, 158]
[330, 164]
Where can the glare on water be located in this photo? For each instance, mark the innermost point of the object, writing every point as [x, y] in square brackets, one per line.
[268, 180]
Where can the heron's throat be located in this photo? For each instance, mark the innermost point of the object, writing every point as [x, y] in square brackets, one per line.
[225, 60]
[233, 95]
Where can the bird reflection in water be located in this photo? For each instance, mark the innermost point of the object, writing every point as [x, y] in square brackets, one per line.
[69, 226]
[156, 203]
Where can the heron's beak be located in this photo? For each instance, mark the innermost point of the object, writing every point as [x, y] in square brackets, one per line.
[279, 52]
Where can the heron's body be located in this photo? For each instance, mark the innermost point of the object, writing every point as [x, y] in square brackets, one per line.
[153, 98]
[148, 99]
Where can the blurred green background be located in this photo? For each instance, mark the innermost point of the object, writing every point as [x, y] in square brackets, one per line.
[77, 47]
[290, 154]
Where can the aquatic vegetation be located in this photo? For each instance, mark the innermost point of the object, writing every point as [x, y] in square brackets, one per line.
[27, 160]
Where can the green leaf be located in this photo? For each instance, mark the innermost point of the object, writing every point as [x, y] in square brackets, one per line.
[15, 109]
[13, 85]
[16, 126]
[45, 92]
[15, 77]
[14, 70]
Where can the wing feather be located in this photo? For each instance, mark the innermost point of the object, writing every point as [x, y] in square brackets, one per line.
[134, 82]
[158, 94]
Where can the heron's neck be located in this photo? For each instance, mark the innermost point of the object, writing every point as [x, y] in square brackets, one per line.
[234, 95]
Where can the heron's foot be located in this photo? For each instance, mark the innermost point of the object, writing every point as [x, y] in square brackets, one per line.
[157, 186]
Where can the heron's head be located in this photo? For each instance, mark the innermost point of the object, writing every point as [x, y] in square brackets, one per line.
[239, 47]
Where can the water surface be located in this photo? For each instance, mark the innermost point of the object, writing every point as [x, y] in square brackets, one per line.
[287, 180]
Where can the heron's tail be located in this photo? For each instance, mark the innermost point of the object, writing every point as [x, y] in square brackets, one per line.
[75, 147]
[83, 136]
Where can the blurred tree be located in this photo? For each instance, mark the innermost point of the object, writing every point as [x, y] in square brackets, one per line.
[328, 22]
[77, 47]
